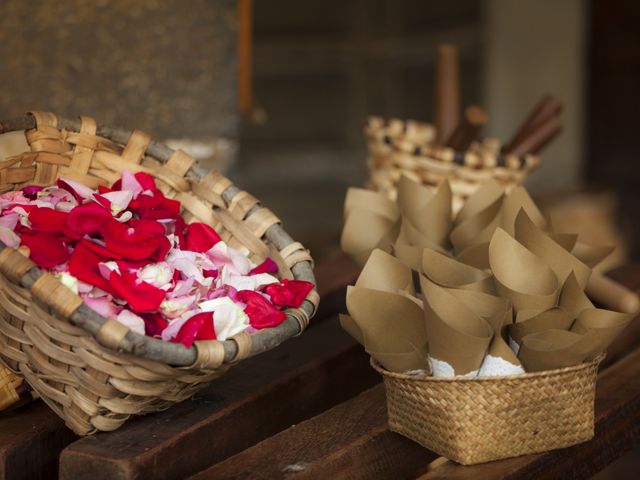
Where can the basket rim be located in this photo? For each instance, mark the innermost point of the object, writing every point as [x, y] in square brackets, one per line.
[460, 378]
[442, 153]
[176, 354]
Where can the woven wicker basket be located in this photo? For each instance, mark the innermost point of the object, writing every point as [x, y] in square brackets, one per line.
[94, 372]
[398, 147]
[476, 420]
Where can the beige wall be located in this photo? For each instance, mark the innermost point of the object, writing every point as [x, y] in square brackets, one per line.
[533, 47]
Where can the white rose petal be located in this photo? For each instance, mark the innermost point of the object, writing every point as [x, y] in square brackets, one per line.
[131, 320]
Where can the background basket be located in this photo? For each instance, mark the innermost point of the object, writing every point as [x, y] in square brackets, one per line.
[94, 372]
[399, 147]
[476, 420]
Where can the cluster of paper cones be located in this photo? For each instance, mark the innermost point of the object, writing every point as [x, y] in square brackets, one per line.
[493, 289]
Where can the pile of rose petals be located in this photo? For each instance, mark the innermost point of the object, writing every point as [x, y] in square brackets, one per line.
[129, 254]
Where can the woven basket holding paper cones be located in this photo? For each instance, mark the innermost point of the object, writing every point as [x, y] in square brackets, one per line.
[479, 321]
[451, 147]
[95, 371]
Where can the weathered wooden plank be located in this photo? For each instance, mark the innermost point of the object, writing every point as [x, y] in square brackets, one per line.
[30, 442]
[262, 396]
[351, 441]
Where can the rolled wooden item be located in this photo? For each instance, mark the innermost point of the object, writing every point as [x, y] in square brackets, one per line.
[447, 101]
[611, 294]
[468, 129]
[538, 138]
[545, 109]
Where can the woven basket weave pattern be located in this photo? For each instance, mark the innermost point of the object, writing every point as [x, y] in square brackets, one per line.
[398, 147]
[86, 377]
[478, 420]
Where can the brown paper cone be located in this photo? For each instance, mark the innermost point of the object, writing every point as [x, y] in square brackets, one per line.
[427, 210]
[389, 322]
[591, 255]
[557, 258]
[458, 338]
[450, 273]
[365, 231]
[518, 199]
[500, 360]
[347, 323]
[487, 194]
[478, 228]
[386, 273]
[520, 276]
[475, 255]
[551, 349]
[573, 300]
[552, 319]
[406, 362]
[601, 327]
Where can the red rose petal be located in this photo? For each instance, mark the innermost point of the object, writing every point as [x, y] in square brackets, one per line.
[99, 249]
[191, 329]
[47, 220]
[45, 250]
[261, 312]
[289, 293]
[88, 219]
[268, 266]
[141, 296]
[200, 237]
[154, 324]
[83, 265]
[135, 243]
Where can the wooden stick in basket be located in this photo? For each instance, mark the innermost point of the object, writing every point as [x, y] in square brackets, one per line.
[538, 138]
[611, 294]
[447, 101]
[468, 129]
[545, 109]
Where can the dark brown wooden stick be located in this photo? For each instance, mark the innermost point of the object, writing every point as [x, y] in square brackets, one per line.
[545, 109]
[538, 138]
[447, 95]
[468, 129]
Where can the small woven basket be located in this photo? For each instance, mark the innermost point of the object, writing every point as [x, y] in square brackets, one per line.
[398, 147]
[476, 420]
[92, 371]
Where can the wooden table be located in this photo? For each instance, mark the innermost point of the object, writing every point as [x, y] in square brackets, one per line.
[312, 408]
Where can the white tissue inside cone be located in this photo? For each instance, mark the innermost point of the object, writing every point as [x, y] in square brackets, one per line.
[514, 346]
[440, 368]
[498, 367]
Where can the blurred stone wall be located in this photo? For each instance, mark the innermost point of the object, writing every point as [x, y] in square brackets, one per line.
[167, 67]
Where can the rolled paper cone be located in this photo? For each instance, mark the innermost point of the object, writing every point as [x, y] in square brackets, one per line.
[475, 255]
[412, 361]
[447, 95]
[427, 209]
[351, 327]
[447, 272]
[551, 349]
[519, 199]
[369, 200]
[468, 129]
[389, 322]
[538, 138]
[520, 276]
[364, 231]
[488, 193]
[557, 258]
[458, 337]
[611, 294]
[386, 273]
[600, 327]
[546, 108]
[477, 228]
[552, 319]
[500, 361]
[590, 255]
[572, 297]
[495, 310]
